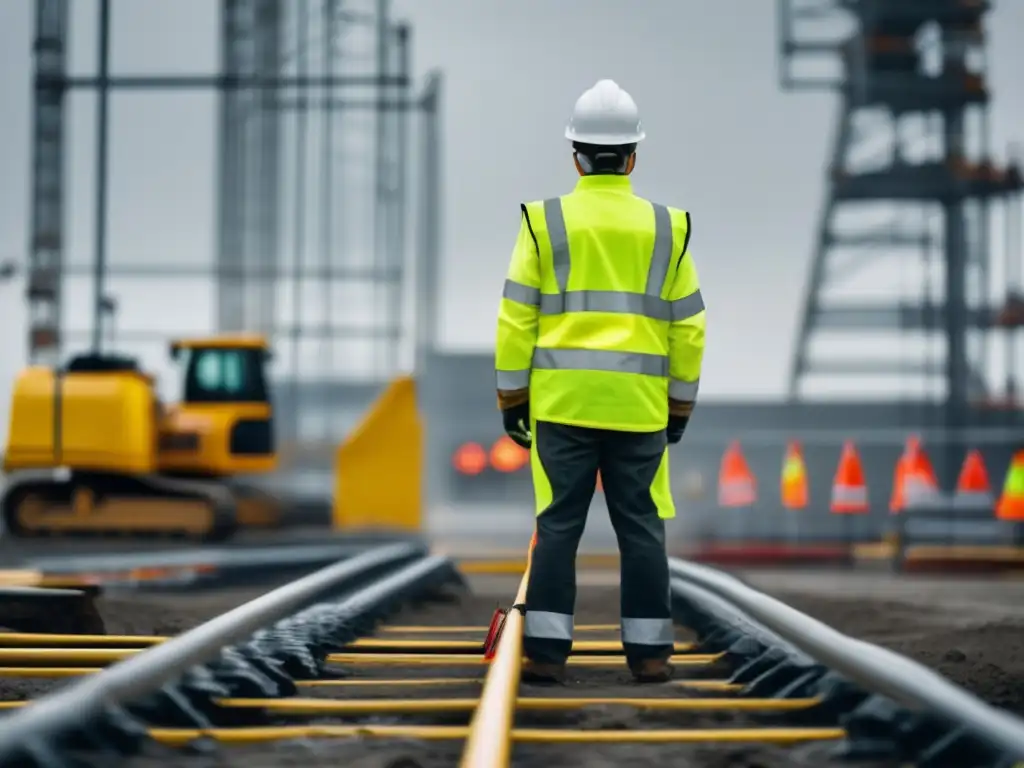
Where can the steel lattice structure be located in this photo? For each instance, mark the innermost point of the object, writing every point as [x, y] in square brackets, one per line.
[327, 192]
[910, 178]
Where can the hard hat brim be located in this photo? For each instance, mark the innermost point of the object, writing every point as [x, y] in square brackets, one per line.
[604, 139]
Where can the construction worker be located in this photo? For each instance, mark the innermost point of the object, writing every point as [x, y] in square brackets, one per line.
[599, 347]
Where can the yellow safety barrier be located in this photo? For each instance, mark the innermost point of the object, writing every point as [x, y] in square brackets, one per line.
[378, 479]
[261, 735]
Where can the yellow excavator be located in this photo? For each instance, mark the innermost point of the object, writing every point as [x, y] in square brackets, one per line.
[91, 449]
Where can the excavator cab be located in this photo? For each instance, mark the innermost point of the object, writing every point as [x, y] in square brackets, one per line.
[223, 424]
[127, 463]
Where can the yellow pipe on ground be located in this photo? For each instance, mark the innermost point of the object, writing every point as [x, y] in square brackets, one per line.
[428, 629]
[299, 706]
[60, 644]
[470, 659]
[47, 672]
[29, 639]
[489, 738]
[503, 567]
[58, 656]
[720, 686]
[262, 735]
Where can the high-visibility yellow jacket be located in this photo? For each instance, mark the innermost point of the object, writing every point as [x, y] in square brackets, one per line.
[601, 317]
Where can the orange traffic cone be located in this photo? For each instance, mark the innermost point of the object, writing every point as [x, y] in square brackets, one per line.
[794, 478]
[849, 489]
[972, 487]
[737, 486]
[1011, 502]
[914, 483]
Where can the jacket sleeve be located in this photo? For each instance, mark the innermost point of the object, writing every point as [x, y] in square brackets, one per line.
[517, 320]
[685, 334]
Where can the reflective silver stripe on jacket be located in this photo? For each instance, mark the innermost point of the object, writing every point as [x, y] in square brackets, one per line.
[647, 304]
[521, 294]
[548, 625]
[513, 379]
[648, 632]
[599, 360]
[685, 391]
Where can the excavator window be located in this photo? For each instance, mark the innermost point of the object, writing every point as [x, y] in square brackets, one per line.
[225, 375]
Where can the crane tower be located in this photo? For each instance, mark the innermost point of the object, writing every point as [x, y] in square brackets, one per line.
[911, 177]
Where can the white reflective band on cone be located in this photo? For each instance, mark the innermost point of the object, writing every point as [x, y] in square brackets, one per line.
[845, 494]
[548, 625]
[648, 631]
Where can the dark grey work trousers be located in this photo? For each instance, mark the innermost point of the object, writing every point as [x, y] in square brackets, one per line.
[571, 458]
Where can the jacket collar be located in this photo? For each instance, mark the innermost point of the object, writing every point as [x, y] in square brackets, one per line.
[602, 181]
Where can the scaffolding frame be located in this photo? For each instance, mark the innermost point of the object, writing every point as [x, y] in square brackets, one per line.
[287, 67]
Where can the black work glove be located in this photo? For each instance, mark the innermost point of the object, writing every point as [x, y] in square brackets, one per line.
[517, 424]
[676, 427]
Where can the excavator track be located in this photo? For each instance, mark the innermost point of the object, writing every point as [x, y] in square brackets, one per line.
[89, 504]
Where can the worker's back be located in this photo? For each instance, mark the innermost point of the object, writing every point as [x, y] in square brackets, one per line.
[607, 259]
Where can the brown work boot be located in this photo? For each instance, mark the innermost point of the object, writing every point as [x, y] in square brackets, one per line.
[544, 674]
[652, 671]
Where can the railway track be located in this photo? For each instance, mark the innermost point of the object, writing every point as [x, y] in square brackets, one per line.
[336, 684]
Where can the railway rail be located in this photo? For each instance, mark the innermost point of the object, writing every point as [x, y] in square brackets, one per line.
[313, 661]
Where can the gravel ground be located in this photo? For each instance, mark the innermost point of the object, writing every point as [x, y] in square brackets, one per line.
[970, 630]
[597, 605]
[149, 614]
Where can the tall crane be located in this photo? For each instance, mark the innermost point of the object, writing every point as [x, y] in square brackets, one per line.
[910, 177]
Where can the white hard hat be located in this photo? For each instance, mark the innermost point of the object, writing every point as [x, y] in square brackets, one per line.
[605, 116]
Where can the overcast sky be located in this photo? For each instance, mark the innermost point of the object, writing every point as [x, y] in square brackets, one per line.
[724, 142]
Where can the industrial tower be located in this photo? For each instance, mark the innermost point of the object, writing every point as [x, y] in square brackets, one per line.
[910, 176]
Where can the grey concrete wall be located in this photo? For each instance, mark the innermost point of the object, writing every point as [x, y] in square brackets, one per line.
[459, 403]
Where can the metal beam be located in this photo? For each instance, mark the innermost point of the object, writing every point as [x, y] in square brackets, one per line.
[894, 317]
[216, 82]
[139, 270]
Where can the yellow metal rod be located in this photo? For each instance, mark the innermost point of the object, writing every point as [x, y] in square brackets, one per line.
[514, 566]
[722, 686]
[58, 656]
[579, 646]
[35, 639]
[298, 706]
[261, 735]
[416, 659]
[47, 672]
[405, 681]
[429, 629]
[26, 640]
[489, 738]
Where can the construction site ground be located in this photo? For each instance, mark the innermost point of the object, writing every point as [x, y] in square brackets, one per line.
[969, 629]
